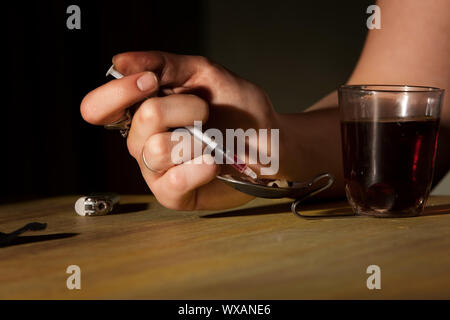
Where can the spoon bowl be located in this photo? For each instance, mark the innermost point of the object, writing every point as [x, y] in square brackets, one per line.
[298, 190]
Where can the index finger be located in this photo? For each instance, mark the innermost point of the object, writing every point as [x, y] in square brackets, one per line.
[172, 69]
[107, 103]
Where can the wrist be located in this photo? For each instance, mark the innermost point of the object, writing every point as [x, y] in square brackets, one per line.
[291, 148]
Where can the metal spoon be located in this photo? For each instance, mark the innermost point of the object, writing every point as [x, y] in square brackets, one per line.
[298, 191]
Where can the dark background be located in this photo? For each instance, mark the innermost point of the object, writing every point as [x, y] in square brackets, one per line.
[297, 50]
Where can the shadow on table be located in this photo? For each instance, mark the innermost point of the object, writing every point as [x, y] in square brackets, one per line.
[39, 238]
[130, 207]
[313, 211]
[255, 211]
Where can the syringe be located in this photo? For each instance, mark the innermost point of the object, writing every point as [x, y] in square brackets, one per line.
[198, 134]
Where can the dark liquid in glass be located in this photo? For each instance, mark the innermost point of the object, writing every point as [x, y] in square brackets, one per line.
[388, 164]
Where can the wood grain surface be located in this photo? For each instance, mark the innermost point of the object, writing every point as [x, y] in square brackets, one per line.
[259, 251]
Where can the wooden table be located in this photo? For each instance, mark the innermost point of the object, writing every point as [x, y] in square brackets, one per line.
[260, 251]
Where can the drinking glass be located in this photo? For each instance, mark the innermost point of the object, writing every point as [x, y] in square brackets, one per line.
[389, 141]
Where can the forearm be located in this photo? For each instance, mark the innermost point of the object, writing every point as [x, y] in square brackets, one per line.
[311, 144]
[397, 54]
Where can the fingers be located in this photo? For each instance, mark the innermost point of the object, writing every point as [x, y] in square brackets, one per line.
[173, 69]
[173, 185]
[107, 103]
[159, 151]
[177, 188]
[158, 114]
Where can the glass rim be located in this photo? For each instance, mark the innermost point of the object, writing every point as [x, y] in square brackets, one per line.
[401, 88]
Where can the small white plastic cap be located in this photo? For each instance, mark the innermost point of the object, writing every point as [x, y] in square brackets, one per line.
[113, 72]
[79, 206]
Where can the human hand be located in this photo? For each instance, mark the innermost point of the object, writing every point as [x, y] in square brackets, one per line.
[194, 89]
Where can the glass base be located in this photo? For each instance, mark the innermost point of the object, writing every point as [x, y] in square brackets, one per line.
[386, 209]
[411, 212]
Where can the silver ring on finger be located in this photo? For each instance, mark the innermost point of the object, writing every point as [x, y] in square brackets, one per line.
[148, 166]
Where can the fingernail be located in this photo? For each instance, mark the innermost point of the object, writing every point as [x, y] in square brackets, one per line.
[147, 81]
